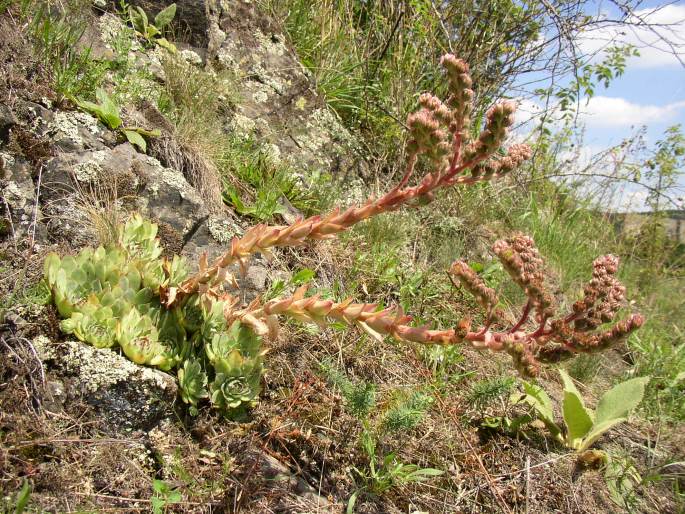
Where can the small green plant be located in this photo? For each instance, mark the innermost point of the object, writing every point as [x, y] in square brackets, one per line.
[18, 504]
[152, 32]
[584, 426]
[360, 396]
[107, 111]
[387, 472]
[407, 411]
[622, 478]
[485, 392]
[164, 495]
[73, 71]
[110, 297]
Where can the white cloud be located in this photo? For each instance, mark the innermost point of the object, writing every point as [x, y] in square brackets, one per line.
[668, 22]
[605, 111]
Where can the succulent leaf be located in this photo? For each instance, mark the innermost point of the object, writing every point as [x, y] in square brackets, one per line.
[193, 382]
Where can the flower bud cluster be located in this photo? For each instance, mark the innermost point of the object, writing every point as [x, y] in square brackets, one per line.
[461, 95]
[603, 295]
[573, 341]
[469, 279]
[522, 261]
[524, 360]
[428, 136]
[500, 166]
[498, 120]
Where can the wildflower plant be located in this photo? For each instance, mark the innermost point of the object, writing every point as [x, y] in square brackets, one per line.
[160, 315]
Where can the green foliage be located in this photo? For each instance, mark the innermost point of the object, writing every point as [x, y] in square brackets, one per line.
[584, 367]
[107, 111]
[164, 495]
[383, 474]
[485, 392]
[622, 478]
[110, 297]
[256, 186]
[407, 411]
[18, 503]
[152, 32]
[360, 397]
[57, 35]
[192, 382]
[584, 426]
[590, 75]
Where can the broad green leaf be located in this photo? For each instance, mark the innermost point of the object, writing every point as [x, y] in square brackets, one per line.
[152, 31]
[426, 472]
[138, 21]
[597, 430]
[145, 132]
[302, 277]
[351, 502]
[164, 43]
[143, 19]
[541, 402]
[136, 139]
[165, 16]
[577, 417]
[618, 401]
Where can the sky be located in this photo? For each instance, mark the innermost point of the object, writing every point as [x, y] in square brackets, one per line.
[650, 93]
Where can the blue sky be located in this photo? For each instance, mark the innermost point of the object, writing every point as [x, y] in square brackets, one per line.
[651, 92]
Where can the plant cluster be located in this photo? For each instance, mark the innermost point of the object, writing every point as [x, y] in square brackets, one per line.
[107, 111]
[127, 295]
[152, 32]
[109, 297]
[583, 426]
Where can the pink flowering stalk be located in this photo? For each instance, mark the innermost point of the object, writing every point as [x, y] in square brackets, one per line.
[539, 335]
[440, 132]
[441, 135]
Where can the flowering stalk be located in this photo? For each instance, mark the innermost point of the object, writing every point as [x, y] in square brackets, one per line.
[550, 341]
[440, 132]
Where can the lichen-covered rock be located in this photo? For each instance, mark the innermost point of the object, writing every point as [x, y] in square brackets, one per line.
[18, 193]
[278, 100]
[126, 395]
[7, 121]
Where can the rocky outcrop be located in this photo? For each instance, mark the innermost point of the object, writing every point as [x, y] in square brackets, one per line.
[126, 396]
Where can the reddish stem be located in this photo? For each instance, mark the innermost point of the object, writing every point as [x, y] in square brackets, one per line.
[523, 318]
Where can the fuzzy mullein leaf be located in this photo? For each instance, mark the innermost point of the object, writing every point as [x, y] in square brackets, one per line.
[136, 139]
[541, 402]
[166, 44]
[577, 417]
[138, 19]
[614, 407]
[165, 16]
[193, 382]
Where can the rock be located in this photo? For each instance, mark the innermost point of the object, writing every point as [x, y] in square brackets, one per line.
[279, 103]
[278, 476]
[7, 121]
[18, 191]
[126, 395]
